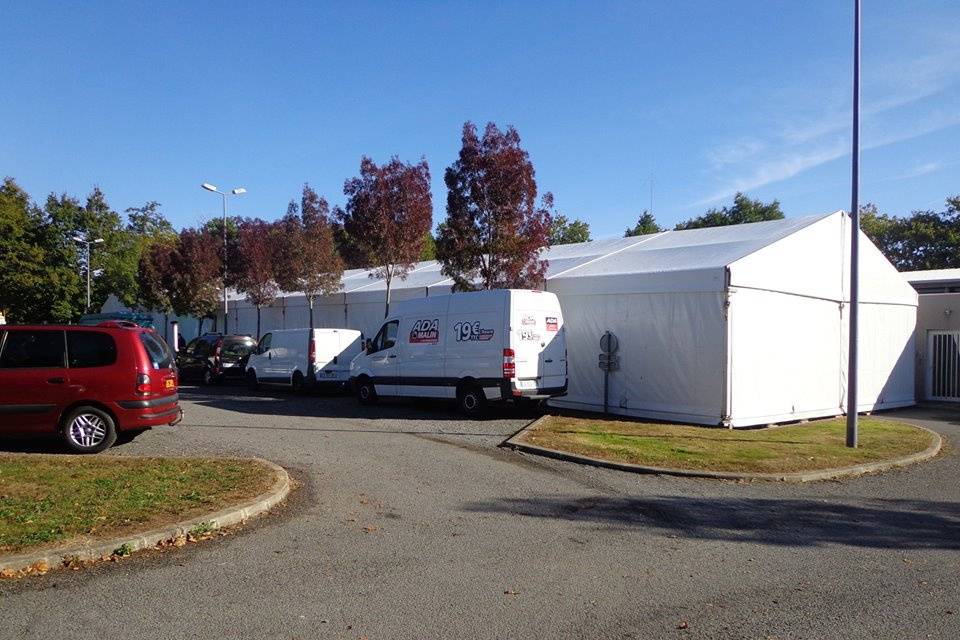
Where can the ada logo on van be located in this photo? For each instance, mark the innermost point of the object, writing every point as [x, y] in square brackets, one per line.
[425, 332]
[466, 331]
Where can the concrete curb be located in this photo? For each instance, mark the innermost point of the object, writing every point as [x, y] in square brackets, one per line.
[230, 516]
[936, 442]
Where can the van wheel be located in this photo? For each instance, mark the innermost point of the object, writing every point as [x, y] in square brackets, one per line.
[297, 382]
[366, 392]
[252, 383]
[88, 430]
[208, 378]
[472, 400]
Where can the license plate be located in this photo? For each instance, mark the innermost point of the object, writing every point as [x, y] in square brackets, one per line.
[329, 374]
[168, 383]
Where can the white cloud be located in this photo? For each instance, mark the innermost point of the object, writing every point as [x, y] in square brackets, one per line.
[920, 170]
[781, 167]
[817, 132]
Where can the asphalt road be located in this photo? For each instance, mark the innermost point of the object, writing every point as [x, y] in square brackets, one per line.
[411, 523]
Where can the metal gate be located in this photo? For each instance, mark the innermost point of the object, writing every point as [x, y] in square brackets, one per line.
[943, 365]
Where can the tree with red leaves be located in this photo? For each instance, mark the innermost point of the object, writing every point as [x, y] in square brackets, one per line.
[388, 215]
[197, 278]
[257, 242]
[494, 232]
[155, 274]
[307, 260]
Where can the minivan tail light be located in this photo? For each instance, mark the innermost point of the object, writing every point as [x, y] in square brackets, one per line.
[509, 364]
[143, 383]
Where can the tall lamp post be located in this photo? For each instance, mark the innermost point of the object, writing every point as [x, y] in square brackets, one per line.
[238, 191]
[88, 243]
[854, 240]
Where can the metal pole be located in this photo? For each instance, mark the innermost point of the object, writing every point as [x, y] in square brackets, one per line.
[88, 276]
[854, 240]
[225, 250]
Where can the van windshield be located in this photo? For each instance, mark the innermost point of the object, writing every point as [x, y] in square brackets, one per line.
[157, 350]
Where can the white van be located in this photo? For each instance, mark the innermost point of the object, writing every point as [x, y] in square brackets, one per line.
[474, 347]
[304, 357]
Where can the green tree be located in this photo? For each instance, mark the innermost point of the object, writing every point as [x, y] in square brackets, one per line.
[743, 210]
[922, 240]
[36, 284]
[565, 231]
[429, 251]
[148, 222]
[646, 224]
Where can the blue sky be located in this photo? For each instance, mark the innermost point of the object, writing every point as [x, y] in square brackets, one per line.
[148, 100]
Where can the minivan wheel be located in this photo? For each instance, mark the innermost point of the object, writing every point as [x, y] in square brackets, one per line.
[89, 430]
[472, 400]
[366, 392]
[252, 383]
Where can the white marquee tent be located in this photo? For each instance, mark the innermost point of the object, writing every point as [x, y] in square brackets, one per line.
[740, 325]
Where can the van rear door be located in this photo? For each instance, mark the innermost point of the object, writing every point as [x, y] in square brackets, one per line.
[538, 341]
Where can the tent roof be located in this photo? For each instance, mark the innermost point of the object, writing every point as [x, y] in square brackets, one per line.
[694, 249]
[669, 251]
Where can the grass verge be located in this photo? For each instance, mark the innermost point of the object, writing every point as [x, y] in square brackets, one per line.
[794, 448]
[48, 500]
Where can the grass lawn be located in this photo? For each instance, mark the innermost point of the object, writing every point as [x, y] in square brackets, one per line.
[46, 500]
[799, 447]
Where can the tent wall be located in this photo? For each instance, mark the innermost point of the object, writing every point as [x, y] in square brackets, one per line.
[784, 357]
[887, 358]
[672, 354]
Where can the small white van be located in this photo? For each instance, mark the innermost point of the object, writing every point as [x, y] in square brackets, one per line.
[473, 347]
[304, 357]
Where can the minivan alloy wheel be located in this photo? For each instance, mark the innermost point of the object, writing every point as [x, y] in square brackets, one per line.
[87, 430]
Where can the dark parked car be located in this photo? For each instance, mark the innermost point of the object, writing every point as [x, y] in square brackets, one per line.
[213, 357]
[85, 383]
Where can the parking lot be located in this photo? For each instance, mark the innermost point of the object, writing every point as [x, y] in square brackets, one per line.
[411, 523]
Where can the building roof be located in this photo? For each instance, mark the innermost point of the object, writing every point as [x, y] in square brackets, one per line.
[933, 276]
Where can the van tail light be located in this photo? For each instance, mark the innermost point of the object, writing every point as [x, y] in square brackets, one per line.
[312, 351]
[216, 357]
[509, 364]
[143, 383]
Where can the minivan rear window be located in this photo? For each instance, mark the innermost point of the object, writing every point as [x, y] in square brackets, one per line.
[157, 349]
[90, 349]
[32, 349]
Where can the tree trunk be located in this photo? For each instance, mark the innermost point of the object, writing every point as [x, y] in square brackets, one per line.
[258, 323]
[386, 311]
[310, 302]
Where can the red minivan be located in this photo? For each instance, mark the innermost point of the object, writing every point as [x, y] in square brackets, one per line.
[85, 383]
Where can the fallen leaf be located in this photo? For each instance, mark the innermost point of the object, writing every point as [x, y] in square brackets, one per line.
[370, 528]
[683, 625]
[511, 592]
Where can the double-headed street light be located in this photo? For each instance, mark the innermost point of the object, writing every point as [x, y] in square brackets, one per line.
[86, 242]
[238, 191]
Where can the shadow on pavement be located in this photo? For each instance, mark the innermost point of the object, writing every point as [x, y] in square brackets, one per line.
[880, 524]
[269, 402]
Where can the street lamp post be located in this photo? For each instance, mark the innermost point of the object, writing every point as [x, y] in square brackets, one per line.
[852, 355]
[88, 243]
[238, 191]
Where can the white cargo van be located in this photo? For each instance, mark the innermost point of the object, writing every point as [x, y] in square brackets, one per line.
[472, 347]
[304, 357]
